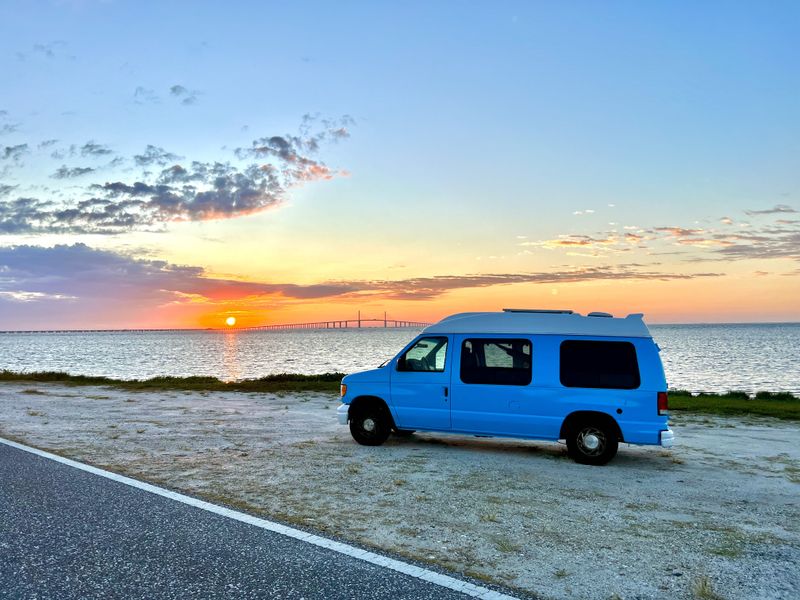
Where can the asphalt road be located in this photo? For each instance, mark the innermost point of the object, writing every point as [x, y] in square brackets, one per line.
[66, 533]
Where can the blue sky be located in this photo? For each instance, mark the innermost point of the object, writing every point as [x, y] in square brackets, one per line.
[476, 133]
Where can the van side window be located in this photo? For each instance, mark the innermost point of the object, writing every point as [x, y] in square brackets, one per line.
[427, 354]
[496, 361]
[608, 365]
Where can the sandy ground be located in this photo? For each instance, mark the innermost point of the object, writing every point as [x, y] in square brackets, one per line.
[720, 514]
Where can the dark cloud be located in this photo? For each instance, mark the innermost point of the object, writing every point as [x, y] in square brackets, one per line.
[68, 173]
[88, 277]
[777, 209]
[14, 152]
[186, 96]
[92, 149]
[153, 155]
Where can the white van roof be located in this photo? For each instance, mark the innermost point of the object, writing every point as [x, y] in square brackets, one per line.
[533, 321]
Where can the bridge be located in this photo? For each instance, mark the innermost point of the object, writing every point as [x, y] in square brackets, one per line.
[356, 323]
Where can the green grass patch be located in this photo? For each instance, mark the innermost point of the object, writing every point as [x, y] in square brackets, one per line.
[327, 382]
[781, 405]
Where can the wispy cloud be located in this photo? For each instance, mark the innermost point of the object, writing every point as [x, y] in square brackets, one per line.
[92, 148]
[153, 155]
[65, 172]
[777, 209]
[49, 50]
[143, 95]
[779, 239]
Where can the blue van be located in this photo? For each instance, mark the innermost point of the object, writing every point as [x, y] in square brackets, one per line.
[591, 380]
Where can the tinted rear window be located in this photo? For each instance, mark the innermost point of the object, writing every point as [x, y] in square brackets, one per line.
[588, 364]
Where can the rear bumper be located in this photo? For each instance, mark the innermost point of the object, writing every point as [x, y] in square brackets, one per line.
[342, 413]
[666, 438]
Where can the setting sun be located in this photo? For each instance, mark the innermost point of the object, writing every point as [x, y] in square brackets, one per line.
[231, 321]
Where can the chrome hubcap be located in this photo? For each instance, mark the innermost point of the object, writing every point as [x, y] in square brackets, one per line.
[368, 425]
[591, 441]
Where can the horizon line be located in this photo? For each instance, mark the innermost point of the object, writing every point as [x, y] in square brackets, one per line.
[268, 328]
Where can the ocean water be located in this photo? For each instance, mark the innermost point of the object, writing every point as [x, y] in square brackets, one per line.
[748, 357]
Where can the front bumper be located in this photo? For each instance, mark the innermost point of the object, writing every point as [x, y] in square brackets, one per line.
[667, 438]
[342, 413]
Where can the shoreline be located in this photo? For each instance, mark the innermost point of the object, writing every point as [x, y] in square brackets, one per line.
[780, 405]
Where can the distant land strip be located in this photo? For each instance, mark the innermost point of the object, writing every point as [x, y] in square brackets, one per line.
[357, 323]
[781, 405]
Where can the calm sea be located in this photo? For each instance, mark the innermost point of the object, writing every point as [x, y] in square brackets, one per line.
[749, 357]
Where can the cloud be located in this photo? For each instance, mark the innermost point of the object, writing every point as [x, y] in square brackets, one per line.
[193, 191]
[780, 239]
[679, 232]
[153, 155]
[50, 50]
[5, 189]
[8, 128]
[93, 277]
[425, 288]
[14, 153]
[64, 172]
[46, 144]
[186, 96]
[143, 95]
[777, 209]
[92, 149]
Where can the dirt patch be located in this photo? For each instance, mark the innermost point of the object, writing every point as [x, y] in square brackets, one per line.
[719, 514]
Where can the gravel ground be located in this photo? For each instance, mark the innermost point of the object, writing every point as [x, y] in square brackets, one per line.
[719, 516]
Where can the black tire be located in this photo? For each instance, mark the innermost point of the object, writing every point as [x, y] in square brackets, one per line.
[370, 425]
[592, 443]
[403, 432]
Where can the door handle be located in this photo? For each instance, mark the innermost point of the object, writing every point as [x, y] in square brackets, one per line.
[445, 391]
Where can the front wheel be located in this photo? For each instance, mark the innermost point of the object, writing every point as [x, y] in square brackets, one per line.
[370, 426]
[592, 443]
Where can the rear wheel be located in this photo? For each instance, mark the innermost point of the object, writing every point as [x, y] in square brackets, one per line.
[370, 425]
[592, 443]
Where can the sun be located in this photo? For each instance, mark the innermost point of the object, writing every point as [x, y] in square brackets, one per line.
[230, 321]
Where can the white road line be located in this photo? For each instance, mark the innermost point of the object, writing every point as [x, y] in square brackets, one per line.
[445, 581]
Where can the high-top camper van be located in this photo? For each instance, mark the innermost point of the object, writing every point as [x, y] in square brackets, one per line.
[591, 380]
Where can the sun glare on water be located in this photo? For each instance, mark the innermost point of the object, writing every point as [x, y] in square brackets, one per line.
[230, 321]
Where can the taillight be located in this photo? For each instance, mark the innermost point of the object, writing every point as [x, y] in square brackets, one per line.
[663, 408]
[343, 389]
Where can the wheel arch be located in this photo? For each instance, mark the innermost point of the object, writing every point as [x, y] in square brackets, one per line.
[361, 401]
[592, 416]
